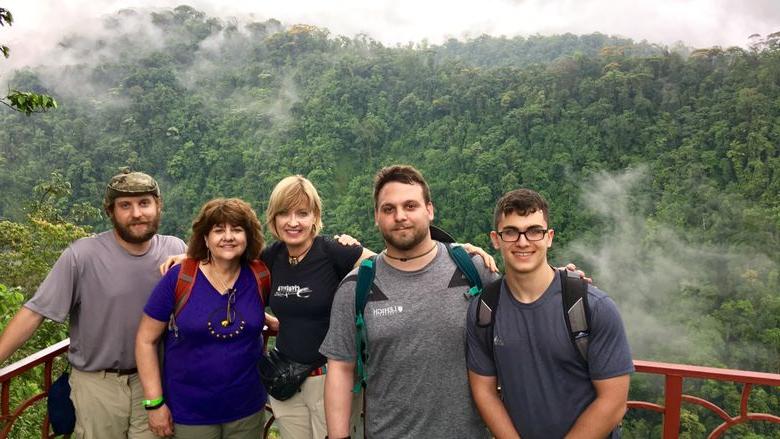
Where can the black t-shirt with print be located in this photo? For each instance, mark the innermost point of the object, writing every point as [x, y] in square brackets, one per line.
[301, 295]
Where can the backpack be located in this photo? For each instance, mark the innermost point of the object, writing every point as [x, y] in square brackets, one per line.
[365, 278]
[576, 313]
[186, 279]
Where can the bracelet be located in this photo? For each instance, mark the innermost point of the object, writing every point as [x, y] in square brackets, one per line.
[153, 404]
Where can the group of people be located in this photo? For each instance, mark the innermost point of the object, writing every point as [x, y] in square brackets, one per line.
[430, 371]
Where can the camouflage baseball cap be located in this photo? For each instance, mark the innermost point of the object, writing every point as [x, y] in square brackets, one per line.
[129, 184]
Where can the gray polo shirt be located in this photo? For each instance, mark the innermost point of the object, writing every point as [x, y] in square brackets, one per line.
[417, 383]
[103, 289]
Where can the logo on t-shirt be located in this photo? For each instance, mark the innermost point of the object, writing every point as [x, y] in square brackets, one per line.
[387, 311]
[292, 290]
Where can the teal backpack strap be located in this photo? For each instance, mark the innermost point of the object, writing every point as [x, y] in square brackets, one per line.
[365, 279]
[466, 266]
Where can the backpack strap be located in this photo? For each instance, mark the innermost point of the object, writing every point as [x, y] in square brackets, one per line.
[263, 278]
[466, 266]
[486, 314]
[184, 283]
[365, 278]
[181, 294]
[488, 302]
[576, 311]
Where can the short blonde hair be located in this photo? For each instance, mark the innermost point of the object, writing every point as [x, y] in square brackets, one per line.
[290, 192]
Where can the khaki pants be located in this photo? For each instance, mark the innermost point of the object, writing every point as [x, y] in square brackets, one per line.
[108, 406]
[303, 415]
[250, 427]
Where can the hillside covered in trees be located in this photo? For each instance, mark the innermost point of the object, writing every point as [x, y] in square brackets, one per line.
[662, 168]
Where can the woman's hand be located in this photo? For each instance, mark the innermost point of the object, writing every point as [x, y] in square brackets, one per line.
[346, 240]
[160, 421]
[272, 322]
[572, 267]
[170, 262]
[490, 263]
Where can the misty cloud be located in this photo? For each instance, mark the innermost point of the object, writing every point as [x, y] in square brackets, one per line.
[657, 274]
[41, 25]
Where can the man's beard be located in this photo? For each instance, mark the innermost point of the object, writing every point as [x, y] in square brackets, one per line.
[408, 242]
[127, 235]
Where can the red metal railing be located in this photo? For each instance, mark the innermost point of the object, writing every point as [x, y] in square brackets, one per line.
[673, 397]
[46, 358]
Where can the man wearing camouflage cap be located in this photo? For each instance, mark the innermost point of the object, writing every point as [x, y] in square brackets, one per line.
[102, 283]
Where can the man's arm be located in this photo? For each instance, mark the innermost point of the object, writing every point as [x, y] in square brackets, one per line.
[19, 330]
[491, 408]
[605, 412]
[338, 397]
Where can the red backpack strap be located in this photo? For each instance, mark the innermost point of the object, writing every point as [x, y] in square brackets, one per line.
[263, 278]
[189, 269]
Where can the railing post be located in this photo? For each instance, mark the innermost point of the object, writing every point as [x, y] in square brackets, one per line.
[672, 404]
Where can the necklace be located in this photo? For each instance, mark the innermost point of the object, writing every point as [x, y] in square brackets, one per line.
[410, 257]
[222, 288]
[224, 330]
[294, 260]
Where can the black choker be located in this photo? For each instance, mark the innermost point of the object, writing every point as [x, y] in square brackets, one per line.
[410, 257]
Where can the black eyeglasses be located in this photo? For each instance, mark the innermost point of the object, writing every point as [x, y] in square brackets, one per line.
[513, 235]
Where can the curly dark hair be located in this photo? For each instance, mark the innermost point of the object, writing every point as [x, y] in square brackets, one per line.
[233, 211]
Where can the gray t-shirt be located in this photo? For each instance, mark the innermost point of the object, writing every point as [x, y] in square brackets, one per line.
[103, 289]
[417, 384]
[544, 383]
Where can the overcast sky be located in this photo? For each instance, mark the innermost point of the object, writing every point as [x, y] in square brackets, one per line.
[698, 23]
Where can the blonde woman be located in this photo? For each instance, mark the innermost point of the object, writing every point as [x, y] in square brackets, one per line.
[306, 268]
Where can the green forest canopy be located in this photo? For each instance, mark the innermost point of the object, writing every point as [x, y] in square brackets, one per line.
[662, 167]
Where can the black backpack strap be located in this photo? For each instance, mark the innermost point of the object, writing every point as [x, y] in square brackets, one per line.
[486, 314]
[488, 301]
[576, 311]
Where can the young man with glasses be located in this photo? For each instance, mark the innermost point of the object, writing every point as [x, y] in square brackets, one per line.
[547, 389]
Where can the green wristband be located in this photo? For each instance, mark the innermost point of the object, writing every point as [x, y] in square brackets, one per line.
[151, 404]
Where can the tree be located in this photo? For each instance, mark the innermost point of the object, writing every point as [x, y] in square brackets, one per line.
[23, 101]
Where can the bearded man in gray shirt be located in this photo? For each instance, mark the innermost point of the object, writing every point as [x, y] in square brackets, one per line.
[416, 382]
[102, 283]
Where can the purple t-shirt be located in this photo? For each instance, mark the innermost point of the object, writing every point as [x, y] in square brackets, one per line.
[206, 379]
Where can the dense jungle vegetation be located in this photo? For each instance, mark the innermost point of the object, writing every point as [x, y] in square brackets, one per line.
[662, 166]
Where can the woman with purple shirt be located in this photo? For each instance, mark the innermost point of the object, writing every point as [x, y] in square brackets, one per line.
[210, 387]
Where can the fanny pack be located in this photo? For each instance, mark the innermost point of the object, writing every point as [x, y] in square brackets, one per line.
[282, 376]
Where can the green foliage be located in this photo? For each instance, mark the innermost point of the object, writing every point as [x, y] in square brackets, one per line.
[29, 102]
[29, 248]
[25, 102]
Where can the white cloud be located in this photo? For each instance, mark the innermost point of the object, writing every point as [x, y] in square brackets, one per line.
[700, 23]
